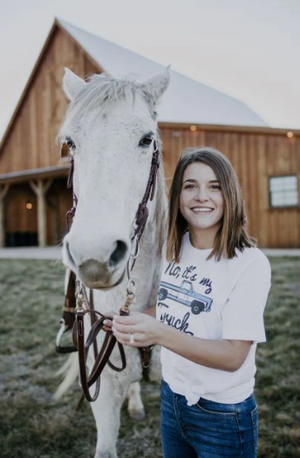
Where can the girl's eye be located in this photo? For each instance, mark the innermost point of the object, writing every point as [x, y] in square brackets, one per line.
[189, 186]
[146, 141]
[216, 187]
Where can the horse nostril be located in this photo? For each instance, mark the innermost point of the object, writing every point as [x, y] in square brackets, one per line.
[118, 254]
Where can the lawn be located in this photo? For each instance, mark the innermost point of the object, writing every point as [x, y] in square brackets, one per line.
[32, 424]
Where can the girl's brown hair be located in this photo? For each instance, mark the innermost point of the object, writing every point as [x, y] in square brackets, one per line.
[232, 233]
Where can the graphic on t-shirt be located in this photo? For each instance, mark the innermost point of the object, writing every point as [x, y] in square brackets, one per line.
[185, 294]
[190, 273]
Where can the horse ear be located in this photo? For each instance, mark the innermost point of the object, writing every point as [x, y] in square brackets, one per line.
[157, 85]
[72, 84]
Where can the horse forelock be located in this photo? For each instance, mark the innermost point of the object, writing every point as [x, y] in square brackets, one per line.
[103, 92]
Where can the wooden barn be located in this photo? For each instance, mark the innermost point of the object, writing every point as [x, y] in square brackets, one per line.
[33, 194]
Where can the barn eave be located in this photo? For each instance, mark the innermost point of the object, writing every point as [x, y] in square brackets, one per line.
[32, 174]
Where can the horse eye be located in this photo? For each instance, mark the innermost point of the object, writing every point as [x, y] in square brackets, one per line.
[69, 142]
[146, 141]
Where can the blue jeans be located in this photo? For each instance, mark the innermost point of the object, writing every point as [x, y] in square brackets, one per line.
[207, 429]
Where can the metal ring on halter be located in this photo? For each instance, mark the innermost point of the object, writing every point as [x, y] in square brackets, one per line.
[134, 253]
[79, 299]
[137, 252]
[135, 226]
[134, 242]
[80, 294]
[130, 287]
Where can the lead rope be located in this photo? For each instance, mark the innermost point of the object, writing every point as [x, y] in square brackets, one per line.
[101, 357]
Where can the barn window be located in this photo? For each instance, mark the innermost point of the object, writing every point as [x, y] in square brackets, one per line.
[283, 191]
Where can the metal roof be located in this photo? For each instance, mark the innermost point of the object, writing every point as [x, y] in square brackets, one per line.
[186, 100]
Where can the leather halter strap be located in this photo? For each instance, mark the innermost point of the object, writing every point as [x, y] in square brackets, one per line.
[146, 353]
[143, 212]
[68, 318]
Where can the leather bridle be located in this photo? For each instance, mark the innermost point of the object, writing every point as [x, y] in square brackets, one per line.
[74, 313]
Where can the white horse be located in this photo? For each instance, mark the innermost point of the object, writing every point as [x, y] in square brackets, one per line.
[110, 128]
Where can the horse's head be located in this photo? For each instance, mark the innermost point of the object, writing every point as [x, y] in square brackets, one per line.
[109, 128]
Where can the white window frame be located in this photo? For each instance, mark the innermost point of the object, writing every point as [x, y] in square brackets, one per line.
[283, 191]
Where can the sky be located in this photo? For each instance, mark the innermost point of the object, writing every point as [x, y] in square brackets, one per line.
[249, 49]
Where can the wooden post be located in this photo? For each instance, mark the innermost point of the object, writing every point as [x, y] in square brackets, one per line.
[40, 188]
[3, 192]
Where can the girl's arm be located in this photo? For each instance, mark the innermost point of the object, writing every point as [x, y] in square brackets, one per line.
[226, 355]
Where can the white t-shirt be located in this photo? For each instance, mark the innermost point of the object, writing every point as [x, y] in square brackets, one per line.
[213, 300]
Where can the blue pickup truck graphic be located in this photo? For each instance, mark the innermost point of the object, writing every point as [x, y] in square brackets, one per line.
[185, 294]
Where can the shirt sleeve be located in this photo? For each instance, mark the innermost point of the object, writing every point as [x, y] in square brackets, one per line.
[243, 312]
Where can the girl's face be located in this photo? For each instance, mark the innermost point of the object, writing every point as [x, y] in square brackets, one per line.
[201, 203]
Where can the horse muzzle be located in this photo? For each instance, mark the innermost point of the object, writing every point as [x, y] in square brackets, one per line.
[99, 276]
[93, 271]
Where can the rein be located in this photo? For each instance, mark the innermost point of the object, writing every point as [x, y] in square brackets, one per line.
[76, 307]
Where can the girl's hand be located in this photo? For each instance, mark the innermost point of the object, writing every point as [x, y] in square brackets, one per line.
[137, 329]
[107, 325]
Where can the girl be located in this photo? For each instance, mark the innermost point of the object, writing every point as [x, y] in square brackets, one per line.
[211, 300]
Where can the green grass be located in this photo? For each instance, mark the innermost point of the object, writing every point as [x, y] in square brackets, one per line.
[33, 425]
[278, 378]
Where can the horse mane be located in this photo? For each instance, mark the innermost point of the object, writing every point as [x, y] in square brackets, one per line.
[103, 91]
